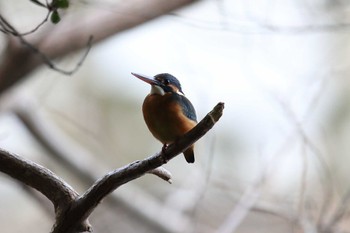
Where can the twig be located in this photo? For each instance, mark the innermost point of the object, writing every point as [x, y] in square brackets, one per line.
[308, 143]
[340, 212]
[303, 179]
[242, 208]
[248, 201]
[287, 215]
[46, 60]
[70, 35]
[257, 26]
[51, 65]
[203, 188]
[162, 173]
[305, 29]
[7, 30]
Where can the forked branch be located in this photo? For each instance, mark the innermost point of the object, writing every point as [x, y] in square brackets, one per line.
[74, 209]
[87, 202]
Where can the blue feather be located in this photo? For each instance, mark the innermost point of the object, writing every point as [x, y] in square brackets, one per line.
[187, 107]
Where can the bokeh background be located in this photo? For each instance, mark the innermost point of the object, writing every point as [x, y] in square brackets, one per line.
[278, 159]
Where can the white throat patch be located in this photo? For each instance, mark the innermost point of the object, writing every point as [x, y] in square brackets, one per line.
[180, 93]
[157, 90]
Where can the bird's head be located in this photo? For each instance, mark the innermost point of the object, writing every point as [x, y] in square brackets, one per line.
[162, 83]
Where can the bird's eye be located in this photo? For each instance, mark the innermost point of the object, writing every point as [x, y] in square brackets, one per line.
[165, 81]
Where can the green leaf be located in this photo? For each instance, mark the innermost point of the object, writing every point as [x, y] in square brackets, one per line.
[55, 17]
[63, 4]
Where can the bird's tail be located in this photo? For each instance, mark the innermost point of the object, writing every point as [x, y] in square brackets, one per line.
[189, 155]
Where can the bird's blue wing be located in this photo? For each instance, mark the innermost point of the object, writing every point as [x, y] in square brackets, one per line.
[187, 108]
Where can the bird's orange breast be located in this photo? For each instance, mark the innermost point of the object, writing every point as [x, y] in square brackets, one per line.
[164, 117]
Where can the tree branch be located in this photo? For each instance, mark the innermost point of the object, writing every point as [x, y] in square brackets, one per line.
[38, 177]
[86, 203]
[6, 28]
[45, 59]
[88, 168]
[42, 179]
[72, 210]
[71, 34]
[162, 173]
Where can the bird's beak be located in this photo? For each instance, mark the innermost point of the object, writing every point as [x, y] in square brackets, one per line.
[146, 79]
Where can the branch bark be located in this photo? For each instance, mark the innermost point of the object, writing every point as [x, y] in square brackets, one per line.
[86, 203]
[43, 180]
[72, 210]
[88, 168]
[38, 177]
[72, 34]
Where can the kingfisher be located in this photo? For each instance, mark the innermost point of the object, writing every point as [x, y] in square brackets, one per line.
[167, 112]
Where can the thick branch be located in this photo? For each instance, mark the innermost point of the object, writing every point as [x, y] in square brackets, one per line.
[43, 180]
[89, 168]
[74, 218]
[38, 177]
[83, 207]
[71, 35]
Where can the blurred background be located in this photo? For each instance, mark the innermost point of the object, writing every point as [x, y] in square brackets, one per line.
[277, 161]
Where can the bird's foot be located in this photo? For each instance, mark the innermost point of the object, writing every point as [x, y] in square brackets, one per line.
[164, 148]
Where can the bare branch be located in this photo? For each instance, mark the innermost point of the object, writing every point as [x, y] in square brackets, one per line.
[259, 26]
[340, 212]
[305, 29]
[45, 59]
[242, 208]
[38, 177]
[9, 30]
[162, 173]
[86, 203]
[85, 166]
[42, 179]
[76, 209]
[71, 34]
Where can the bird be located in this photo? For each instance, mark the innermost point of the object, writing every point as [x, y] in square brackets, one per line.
[167, 112]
